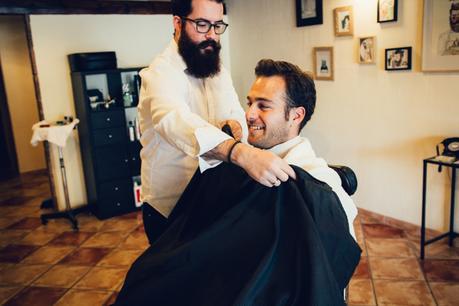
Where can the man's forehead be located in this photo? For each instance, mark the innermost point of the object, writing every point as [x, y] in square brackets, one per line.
[267, 87]
[206, 9]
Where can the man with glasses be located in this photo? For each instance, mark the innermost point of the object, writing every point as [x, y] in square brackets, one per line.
[186, 96]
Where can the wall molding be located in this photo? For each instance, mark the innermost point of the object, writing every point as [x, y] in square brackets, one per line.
[19, 7]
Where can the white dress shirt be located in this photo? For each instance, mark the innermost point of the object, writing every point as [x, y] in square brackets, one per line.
[298, 151]
[178, 117]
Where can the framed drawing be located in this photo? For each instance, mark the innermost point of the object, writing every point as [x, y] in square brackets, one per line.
[398, 58]
[308, 12]
[344, 21]
[387, 10]
[440, 36]
[367, 47]
[323, 63]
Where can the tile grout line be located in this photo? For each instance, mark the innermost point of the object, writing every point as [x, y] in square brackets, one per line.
[427, 281]
[368, 263]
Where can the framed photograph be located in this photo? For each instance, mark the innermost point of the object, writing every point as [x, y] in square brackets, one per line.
[323, 63]
[387, 10]
[440, 36]
[367, 47]
[344, 21]
[308, 12]
[398, 58]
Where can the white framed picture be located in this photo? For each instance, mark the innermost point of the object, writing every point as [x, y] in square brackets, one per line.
[367, 50]
[323, 63]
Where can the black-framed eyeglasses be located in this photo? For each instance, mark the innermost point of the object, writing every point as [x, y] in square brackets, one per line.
[204, 26]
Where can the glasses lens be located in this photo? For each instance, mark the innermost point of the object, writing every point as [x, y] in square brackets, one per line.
[202, 26]
[220, 27]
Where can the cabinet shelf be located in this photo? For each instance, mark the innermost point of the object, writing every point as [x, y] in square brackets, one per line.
[109, 143]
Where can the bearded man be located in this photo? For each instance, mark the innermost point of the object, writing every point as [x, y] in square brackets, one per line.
[186, 96]
[448, 43]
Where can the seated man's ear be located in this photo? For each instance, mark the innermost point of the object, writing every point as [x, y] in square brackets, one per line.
[298, 114]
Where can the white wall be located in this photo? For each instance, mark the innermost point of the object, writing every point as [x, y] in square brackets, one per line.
[20, 91]
[382, 124]
[136, 40]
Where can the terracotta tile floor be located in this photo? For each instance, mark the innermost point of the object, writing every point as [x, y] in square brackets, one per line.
[52, 265]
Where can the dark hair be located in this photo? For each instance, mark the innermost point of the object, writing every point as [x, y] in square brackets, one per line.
[300, 88]
[182, 8]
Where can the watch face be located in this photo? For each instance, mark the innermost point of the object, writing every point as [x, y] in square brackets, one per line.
[454, 146]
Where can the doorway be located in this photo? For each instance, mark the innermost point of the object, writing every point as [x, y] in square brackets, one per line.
[19, 108]
[8, 160]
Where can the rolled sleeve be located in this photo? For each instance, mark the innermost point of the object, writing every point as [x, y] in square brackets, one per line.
[208, 138]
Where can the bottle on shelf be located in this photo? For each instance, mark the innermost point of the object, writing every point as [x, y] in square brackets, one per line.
[127, 95]
[131, 131]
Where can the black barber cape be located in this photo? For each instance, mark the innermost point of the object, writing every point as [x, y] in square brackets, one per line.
[232, 241]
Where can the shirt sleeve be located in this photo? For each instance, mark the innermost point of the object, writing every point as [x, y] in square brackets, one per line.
[172, 117]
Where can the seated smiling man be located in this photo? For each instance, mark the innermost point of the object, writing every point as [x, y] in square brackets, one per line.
[280, 103]
[233, 241]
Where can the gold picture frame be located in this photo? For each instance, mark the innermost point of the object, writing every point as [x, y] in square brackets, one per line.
[323, 63]
[440, 50]
[367, 50]
[343, 18]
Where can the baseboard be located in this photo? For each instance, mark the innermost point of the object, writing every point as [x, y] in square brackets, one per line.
[406, 226]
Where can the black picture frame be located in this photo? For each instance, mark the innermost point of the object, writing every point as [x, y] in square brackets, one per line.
[398, 58]
[302, 21]
[382, 19]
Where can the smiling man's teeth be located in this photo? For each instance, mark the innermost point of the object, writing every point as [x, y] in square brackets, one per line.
[254, 127]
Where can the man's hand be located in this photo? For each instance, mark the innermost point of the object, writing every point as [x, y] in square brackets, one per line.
[235, 127]
[263, 166]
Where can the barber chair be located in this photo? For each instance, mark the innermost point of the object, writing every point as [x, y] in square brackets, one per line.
[349, 184]
[348, 178]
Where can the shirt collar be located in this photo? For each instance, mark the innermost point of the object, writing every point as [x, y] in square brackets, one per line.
[283, 148]
[173, 47]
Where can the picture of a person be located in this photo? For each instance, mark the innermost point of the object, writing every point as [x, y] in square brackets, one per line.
[386, 10]
[398, 59]
[448, 42]
[308, 9]
[323, 66]
[366, 50]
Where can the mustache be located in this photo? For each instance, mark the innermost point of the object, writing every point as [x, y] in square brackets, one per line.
[208, 43]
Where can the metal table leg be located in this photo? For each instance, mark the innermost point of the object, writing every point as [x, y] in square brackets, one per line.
[423, 220]
[68, 213]
[452, 235]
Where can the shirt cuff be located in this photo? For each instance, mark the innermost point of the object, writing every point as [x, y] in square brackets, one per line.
[208, 137]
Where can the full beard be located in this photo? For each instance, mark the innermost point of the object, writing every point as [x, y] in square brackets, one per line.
[201, 62]
[454, 26]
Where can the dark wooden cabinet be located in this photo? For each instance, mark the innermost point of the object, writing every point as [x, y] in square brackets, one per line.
[105, 103]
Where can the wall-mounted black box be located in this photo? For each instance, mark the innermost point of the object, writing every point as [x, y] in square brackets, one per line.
[92, 61]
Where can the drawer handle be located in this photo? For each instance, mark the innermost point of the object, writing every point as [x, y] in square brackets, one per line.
[108, 119]
[118, 204]
[110, 136]
[116, 188]
[126, 160]
[133, 158]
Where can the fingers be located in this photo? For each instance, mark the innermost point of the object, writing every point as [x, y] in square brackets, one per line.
[235, 127]
[289, 171]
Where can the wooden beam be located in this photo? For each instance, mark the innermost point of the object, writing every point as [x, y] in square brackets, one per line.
[15, 7]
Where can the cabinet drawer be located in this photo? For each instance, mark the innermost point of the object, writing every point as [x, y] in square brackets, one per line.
[111, 162]
[116, 189]
[107, 208]
[103, 120]
[109, 136]
[134, 156]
